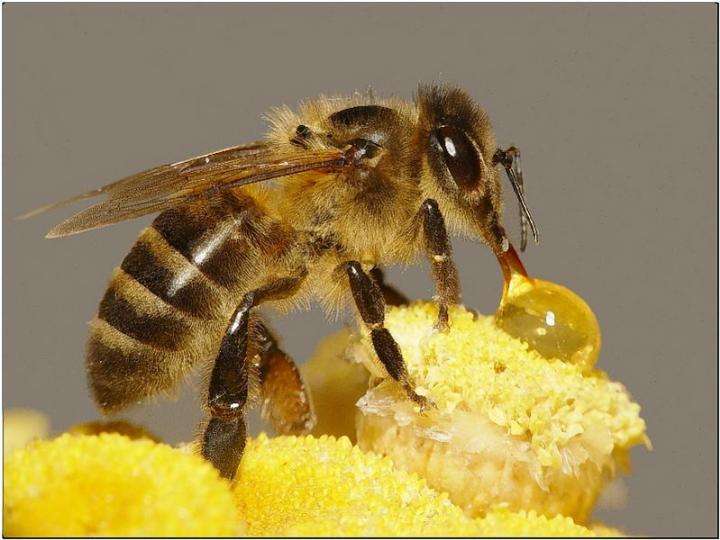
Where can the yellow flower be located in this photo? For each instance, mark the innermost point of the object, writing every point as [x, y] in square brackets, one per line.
[507, 523]
[306, 486]
[336, 385]
[326, 486]
[511, 427]
[109, 485]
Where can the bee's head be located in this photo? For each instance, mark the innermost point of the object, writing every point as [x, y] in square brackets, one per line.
[458, 149]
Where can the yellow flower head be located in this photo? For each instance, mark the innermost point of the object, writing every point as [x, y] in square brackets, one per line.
[306, 486]
[506, 523]
[326, 486]
[109, 485]
[511, 426]
[336, 385]
[476, 366]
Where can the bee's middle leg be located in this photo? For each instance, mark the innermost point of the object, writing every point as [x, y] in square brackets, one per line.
[371, 305]
[223, 440]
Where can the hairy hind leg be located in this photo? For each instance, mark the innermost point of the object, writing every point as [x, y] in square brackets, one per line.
[287, 404]
[223, 440]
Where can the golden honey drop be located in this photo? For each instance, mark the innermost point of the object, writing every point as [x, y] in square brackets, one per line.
[551, 319]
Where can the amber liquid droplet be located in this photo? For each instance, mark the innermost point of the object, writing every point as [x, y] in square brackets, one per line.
[551, 319]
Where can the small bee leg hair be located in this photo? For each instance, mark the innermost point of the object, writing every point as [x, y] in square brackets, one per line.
[391, 295]
[287, 403]
[224, 438]
[371, 305]
[439, 252]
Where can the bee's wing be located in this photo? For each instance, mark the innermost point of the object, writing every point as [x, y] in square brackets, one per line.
[166, 186]
[145, 177]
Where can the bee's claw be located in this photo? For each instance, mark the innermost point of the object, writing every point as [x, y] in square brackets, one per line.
[443, 320]
[425, 403]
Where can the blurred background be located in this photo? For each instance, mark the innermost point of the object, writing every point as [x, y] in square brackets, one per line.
[614, 108]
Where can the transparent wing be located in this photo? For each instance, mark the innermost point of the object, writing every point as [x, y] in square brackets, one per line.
[153, 177]
[166, 186]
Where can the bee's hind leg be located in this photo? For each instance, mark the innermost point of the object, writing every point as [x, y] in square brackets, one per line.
[223, 444]
[371, 305]
[223, 440]
[287, 403]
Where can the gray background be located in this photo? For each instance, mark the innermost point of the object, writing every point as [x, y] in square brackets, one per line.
[613, 106]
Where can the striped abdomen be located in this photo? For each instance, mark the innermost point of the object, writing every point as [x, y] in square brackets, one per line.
[168, 303]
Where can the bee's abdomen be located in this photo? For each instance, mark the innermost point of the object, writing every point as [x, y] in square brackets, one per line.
[123, 371]
[193, 297]
[150, 324]
[213, 239]
[164, 329]
[168, 304]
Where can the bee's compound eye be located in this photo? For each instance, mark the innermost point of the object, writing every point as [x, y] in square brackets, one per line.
[460, 155]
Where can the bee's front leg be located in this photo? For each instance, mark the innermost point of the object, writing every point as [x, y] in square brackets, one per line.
[371, 305]
[224, 437]
[439, 252]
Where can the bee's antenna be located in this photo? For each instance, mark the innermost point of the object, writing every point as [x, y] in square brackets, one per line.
[510, 160]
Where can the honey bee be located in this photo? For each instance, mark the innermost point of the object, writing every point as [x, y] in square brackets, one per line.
[358, 183]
